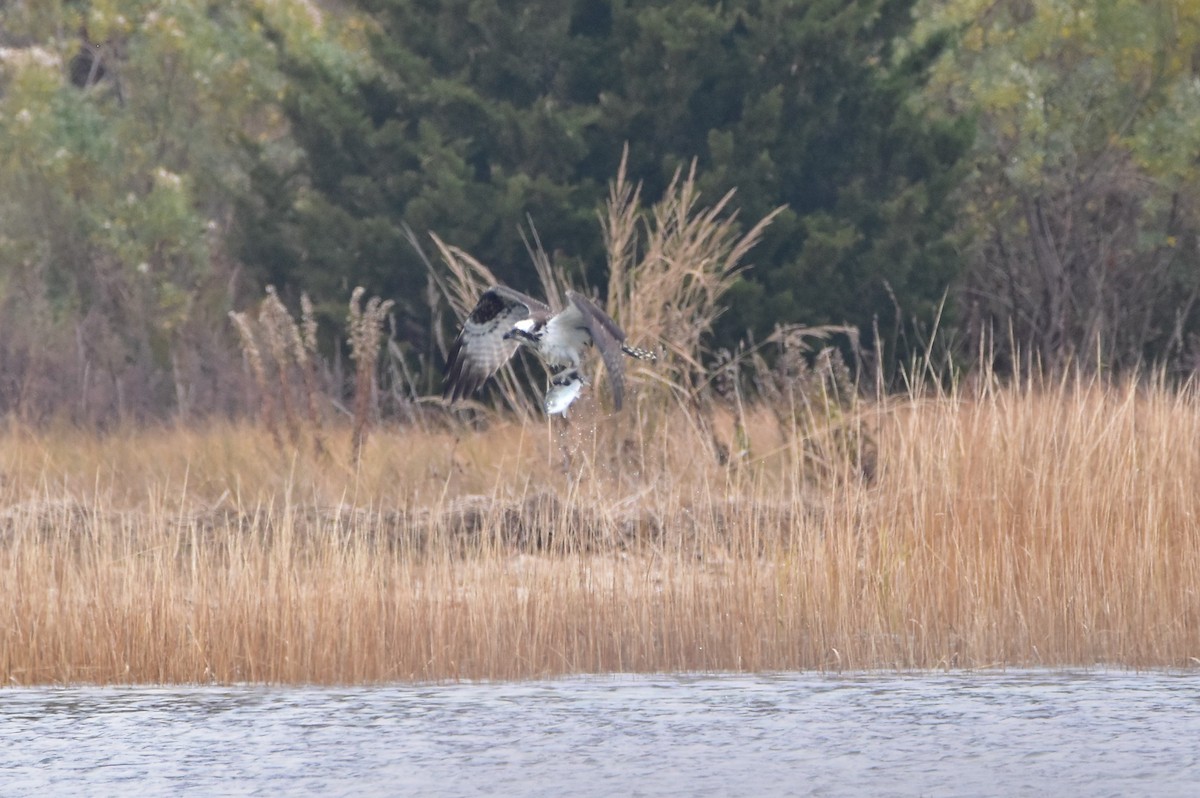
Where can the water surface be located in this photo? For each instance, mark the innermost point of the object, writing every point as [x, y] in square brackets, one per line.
[994, 733]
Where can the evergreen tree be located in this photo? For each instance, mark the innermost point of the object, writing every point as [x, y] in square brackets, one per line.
[481, 112]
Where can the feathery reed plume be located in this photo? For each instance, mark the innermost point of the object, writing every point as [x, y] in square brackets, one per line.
[253, 355]
[670, 267]
[279, 331]
[365, 325]
[304, 344]
[554, 284]
[292, 347]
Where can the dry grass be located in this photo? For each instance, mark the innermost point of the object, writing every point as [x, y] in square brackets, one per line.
[1055, 525]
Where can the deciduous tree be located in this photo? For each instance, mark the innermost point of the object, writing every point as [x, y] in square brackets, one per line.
[1082, 196]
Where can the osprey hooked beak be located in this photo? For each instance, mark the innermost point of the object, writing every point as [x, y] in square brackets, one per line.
[523, 328]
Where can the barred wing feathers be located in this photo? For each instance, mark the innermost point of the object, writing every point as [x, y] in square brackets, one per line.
[480, 348]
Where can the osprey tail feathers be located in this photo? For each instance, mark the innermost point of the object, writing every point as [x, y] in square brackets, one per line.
[638, 352]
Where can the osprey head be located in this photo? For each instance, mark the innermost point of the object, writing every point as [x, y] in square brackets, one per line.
[523, 329]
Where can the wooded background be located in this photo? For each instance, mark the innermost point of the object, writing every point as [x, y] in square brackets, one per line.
[1022, 176]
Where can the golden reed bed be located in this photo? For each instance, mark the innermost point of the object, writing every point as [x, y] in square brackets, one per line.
[1055, 526]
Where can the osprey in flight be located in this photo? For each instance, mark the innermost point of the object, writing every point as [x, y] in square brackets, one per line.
[504, 319]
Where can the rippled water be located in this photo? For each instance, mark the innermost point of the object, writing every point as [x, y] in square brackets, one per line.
[1010, 733]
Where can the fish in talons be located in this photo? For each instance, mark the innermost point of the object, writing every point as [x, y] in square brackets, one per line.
[565, 388]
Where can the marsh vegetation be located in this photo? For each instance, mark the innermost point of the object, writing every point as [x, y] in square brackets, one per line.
[1028, 525]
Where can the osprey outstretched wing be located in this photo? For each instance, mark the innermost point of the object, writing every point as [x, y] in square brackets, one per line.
[505, 319]
[484, 344]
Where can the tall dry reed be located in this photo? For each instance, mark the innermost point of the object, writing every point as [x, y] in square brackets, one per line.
[669, 267]
[365, 324]
[291, 376]
[1049, 524]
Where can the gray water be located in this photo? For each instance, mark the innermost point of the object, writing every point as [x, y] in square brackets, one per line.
[995, 733]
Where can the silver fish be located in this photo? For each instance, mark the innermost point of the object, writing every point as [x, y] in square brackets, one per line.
[564, 389]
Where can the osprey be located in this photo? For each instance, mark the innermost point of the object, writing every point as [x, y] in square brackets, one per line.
[504, 320]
